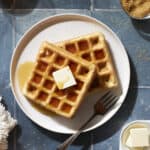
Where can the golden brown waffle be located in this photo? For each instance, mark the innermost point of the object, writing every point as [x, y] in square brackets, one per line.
[42, 89]
[93, 48]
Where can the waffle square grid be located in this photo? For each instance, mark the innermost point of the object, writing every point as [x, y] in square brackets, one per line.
[93, 48]
[42, 89]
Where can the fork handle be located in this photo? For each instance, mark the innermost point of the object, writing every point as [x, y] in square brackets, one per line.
[73, 137]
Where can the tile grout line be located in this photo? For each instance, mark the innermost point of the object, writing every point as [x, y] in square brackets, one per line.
[108, 10]
[140, 87]
[41, 9]
[143, 87]
[92, 146]
[91, 5]
[55, 9]
[13, 45]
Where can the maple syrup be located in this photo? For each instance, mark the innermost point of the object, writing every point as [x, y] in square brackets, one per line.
[23, 74]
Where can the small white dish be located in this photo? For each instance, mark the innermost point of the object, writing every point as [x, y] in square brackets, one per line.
[125, 131]
[54, 29]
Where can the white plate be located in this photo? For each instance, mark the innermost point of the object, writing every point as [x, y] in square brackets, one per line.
[57, 28]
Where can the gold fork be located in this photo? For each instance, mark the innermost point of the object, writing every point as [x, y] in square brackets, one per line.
[105, 103]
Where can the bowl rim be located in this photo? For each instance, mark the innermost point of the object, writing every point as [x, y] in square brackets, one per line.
[127, 125]
[134, 18]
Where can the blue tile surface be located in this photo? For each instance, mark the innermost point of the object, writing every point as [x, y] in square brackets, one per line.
[64, 4]
[6, 46]
[107, 4]
[29, 136]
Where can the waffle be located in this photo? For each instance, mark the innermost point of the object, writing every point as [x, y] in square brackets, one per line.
[42, 89]
[93, 48]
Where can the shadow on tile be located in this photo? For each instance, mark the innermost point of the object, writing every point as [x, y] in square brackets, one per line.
[142, 27]
[84, 140]
[109, 128]
[13, 6]
[13, 139]
[4, 103]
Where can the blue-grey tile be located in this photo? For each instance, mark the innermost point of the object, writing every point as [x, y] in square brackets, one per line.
[135, 107]
[27, 19]
[28, 4]
[5, 47]
[142, 105]
[136, 46]
[65, 4]
[5, 56]
[30, 136]
[106, 4]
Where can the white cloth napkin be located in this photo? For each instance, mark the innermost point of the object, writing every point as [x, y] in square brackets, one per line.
[7, 123]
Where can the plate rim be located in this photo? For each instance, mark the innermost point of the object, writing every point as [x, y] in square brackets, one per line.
[77, 15]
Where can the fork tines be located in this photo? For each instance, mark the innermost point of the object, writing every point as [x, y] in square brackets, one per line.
[108, 100]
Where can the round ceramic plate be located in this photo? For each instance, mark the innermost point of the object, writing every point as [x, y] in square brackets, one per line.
[54, 29]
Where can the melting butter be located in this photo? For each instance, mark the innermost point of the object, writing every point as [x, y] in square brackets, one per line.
[23, 73]
[62, 82]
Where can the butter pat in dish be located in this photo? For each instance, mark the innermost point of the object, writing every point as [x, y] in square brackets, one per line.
[64, 78]
[139, 137]
[135, 136]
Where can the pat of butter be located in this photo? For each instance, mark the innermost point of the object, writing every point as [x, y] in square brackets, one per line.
[129, 144]
[64, 78]
[139, 137]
